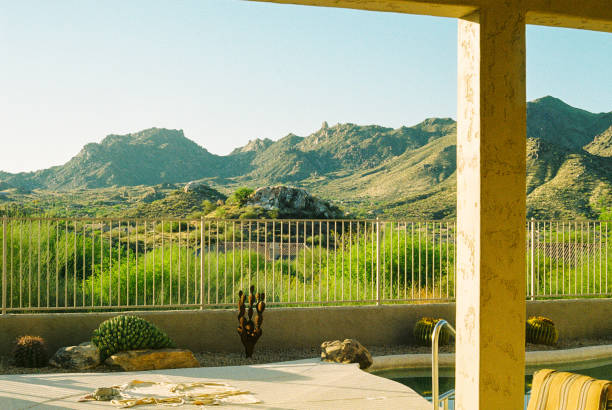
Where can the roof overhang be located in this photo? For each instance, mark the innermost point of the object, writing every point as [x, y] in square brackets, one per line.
[583, 14]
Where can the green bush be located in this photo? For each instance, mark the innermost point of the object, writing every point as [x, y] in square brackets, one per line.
[122, 333]
[171, 226]
[208, 207]
[605, 214]
[250, 212]
[240, 197]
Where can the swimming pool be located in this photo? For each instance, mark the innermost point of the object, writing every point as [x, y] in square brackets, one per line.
[419, 380]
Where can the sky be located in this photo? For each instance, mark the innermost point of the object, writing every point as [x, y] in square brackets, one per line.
[227, 71]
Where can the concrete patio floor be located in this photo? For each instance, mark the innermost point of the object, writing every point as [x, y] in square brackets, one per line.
[302, 384]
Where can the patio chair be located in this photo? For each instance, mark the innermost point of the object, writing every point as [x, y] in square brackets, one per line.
[555, 390]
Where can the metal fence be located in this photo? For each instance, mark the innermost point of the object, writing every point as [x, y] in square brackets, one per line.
[568, 259]
[119, 264]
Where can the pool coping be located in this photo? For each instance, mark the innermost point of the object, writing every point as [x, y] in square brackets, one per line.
[538, 358]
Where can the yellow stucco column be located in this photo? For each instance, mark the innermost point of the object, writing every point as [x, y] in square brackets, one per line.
[491, 210]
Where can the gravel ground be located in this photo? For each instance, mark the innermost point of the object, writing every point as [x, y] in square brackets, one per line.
[209, 359]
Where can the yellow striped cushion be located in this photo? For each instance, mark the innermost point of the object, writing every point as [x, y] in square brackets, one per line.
[553, 390]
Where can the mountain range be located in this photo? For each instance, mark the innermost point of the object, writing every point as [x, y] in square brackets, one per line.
[408, 171]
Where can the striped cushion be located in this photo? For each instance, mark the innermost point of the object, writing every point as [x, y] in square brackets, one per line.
[553, 390]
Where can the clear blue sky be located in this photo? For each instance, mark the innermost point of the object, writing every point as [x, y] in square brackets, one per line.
[226, 71]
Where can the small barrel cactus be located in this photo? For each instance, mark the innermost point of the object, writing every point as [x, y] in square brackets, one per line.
[122, 333]
[30, 351]
[423, 331]
[541, 330]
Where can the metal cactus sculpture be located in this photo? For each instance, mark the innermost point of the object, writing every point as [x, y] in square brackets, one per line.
[249, 330]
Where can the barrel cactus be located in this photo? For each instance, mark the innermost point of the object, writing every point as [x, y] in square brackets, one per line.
[423, 331]
[30, 351]
[541, 330]
[122, 333]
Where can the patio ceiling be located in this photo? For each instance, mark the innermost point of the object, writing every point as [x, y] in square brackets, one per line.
[583, 14]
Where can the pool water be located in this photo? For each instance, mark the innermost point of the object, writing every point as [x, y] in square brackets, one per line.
[419, 380]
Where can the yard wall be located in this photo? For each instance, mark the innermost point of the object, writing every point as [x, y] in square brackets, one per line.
[215, 330]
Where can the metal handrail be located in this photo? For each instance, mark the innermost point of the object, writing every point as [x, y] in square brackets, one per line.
[435, 388]
[445, 397]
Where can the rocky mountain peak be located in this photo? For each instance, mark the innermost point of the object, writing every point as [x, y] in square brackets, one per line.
[436, 124]
[550, 101]
[254, 145]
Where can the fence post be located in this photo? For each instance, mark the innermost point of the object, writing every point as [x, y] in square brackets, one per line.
[201, 263]
[377, 262]
[532, 254]
[4, 244]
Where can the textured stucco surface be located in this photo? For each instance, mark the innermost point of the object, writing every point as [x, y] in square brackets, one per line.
[491, 209]
[213, 330]
[576, 319]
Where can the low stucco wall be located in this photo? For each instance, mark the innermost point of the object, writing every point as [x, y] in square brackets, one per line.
[215, 330]
[576, 318]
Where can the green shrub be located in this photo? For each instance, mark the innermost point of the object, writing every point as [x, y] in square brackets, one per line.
[220, 213]
[208, 207]
[171, 226]
[541, 330]
[240, 197]
[605, 214]
[30, 351]
[250, 212]
[423, 331]
[122, 333]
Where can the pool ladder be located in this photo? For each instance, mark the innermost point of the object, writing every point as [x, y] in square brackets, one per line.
[435, 388]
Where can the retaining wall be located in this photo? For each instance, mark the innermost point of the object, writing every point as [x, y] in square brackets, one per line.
[215, 330]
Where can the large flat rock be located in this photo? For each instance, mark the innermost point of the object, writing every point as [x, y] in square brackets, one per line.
[153, 359]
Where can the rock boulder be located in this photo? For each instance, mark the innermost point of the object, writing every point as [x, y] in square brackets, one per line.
[82, 357]
[347, 351]
[152, 359]
[293, 202]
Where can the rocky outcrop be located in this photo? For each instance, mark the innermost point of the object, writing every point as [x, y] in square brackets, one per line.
[82, 357]
[293, 202]
[347, 351]
[602, 144]
[255, 145]
[152, 359]
[197, 187]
